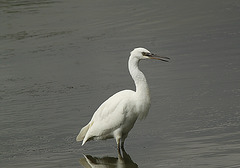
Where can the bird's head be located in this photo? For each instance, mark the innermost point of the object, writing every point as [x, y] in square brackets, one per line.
[142, 53]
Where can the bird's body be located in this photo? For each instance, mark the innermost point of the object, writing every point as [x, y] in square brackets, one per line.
[118, 114]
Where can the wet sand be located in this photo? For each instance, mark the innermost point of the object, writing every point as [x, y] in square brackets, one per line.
[59, 60]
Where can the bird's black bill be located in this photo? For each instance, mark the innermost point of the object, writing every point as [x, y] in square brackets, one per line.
[162, 58]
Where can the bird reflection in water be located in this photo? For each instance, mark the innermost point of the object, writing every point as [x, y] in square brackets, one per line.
[123, 160]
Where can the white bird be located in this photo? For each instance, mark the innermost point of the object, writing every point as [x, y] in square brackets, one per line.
[117, 115]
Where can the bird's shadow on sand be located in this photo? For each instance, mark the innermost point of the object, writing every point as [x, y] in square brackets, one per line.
[123, 160]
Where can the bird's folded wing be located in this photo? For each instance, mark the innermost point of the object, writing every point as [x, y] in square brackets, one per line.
[111, 114]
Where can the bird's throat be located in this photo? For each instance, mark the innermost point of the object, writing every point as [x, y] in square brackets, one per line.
[138, 77]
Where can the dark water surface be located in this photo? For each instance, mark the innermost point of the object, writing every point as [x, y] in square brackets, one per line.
[59, 60]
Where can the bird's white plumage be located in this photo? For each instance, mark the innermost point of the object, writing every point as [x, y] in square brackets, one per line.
[117, 115]
[112, 117]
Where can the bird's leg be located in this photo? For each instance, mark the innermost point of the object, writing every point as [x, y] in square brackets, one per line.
[125, 155]
[118, 145]
[122, 144]
[119, 148]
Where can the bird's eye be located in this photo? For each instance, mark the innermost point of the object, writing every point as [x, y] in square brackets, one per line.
[146, 54]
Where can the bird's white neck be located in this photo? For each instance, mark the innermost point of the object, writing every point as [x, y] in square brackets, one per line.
[142, 89]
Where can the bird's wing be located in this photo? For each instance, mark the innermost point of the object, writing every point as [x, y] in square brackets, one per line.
[111, 114]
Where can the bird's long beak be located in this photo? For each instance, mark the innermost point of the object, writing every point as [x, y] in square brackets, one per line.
[162, 58]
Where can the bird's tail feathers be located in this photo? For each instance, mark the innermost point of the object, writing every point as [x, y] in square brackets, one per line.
[82, 133]
[84, 140]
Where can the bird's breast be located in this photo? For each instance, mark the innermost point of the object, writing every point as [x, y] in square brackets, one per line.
[142, 108]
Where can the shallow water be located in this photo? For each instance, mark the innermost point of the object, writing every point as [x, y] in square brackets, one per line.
[59, 60]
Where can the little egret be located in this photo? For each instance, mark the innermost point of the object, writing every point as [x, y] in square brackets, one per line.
[117, 115]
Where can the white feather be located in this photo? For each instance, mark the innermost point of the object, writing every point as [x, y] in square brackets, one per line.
[117, 115]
